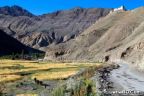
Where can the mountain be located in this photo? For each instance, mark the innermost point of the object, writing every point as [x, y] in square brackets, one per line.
[53, 28]
[119, 35]
[93, 34]
[10, 45]
[15, 11]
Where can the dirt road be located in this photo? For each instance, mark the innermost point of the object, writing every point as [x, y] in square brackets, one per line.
[127, 79]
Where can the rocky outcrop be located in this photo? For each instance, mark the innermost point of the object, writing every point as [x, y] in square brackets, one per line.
[53, 28]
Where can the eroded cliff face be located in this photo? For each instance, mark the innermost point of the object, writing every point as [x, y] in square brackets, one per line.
[119, 35]
[53, 28]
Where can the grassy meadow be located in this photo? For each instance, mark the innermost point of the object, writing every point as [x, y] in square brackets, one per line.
[15, 74]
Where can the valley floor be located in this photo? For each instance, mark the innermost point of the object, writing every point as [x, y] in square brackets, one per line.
[34, 78]
[116, 79]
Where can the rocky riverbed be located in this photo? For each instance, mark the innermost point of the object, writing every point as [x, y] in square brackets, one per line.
[103, 82]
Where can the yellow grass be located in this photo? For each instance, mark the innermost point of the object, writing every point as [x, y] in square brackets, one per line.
[27, 95]
[9, 70]
[5, 78]
[54, 75]
[29, 66]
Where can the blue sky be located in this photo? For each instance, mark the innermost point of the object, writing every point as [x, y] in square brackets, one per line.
[39, 7]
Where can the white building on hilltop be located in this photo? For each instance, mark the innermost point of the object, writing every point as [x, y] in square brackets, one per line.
[121, 8]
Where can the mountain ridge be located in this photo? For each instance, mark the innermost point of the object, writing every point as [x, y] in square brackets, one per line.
[41, 31]
[119, 35]
[15, 11]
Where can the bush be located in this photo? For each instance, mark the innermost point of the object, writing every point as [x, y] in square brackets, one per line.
[84, 88]
[82, 85]
[60, 91]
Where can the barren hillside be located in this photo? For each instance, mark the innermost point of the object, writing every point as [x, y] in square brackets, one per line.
[119, 35]
[42, 31]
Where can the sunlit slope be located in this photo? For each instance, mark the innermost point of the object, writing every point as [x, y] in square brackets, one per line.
[119, 35]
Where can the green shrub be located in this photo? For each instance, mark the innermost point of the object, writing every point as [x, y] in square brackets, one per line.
[60, 91]
[84, 88]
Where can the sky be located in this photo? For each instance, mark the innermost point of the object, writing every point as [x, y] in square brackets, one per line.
[39, 7]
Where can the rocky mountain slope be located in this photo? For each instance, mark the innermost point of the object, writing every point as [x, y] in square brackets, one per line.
[15, 11]
[9, 45]
[119, 35]
[80, 34]
[53, 28]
